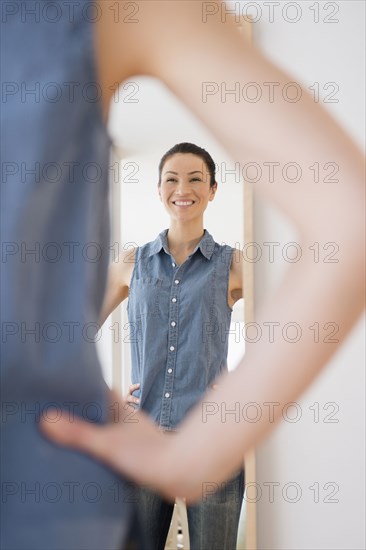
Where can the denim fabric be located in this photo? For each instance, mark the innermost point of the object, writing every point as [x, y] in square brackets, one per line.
[180, 321]
[212, 522]
[55, 231]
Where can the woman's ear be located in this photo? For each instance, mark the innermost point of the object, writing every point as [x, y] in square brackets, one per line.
[213, 190]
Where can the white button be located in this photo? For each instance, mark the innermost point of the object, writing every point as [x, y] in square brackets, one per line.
[167, 394]
[174, 300]
[173, 264]
[176, 281]
[170, 371]
[172, 348]
[173, 323]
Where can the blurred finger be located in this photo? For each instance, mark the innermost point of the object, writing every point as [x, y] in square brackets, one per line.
[78, 434]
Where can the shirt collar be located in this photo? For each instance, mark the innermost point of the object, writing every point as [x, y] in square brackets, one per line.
[206, 244]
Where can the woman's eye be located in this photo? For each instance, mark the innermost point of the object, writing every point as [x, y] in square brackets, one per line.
[171, 179]
[196, 179]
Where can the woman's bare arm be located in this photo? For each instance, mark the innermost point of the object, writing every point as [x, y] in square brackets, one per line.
[236, 275]
[192, 57]
[117, 284]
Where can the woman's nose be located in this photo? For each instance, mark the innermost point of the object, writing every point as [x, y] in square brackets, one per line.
[182, 188]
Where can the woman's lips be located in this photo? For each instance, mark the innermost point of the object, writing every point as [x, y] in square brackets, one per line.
[183, 204]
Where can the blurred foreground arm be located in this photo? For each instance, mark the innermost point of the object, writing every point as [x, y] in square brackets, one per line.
[195, 54]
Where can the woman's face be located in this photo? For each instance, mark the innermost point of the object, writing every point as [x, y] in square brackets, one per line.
[185, 186]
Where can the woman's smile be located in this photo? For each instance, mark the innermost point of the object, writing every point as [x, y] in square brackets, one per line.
[183, 204]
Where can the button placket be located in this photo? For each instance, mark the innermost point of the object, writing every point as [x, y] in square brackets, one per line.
[172, 346]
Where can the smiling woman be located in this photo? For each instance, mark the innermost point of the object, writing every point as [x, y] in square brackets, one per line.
[181, 290]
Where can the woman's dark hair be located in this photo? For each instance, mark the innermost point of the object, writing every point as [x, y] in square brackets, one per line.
[190, 148]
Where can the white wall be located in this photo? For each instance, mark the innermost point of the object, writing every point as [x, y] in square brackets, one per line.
[307, 452]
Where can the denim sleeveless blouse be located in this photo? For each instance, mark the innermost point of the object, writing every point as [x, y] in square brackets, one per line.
[55, 255]
[180, 321]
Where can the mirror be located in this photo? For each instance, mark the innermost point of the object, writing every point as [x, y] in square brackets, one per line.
[146, 120]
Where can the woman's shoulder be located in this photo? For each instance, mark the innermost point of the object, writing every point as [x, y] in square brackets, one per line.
[223, 248]
[152, 246]
[133, 253]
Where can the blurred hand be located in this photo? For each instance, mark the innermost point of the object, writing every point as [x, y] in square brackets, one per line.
[130, 443]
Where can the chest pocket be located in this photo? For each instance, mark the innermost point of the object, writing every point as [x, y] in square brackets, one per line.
[146, 295]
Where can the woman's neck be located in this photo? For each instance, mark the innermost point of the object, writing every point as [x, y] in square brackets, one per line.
[183, 239]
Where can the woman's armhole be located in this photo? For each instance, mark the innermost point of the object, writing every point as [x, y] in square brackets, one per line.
[131, 256]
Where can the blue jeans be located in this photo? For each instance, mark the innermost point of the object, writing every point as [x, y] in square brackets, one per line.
[213, 522]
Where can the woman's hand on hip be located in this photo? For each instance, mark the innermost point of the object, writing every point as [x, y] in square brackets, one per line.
[131, 399]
